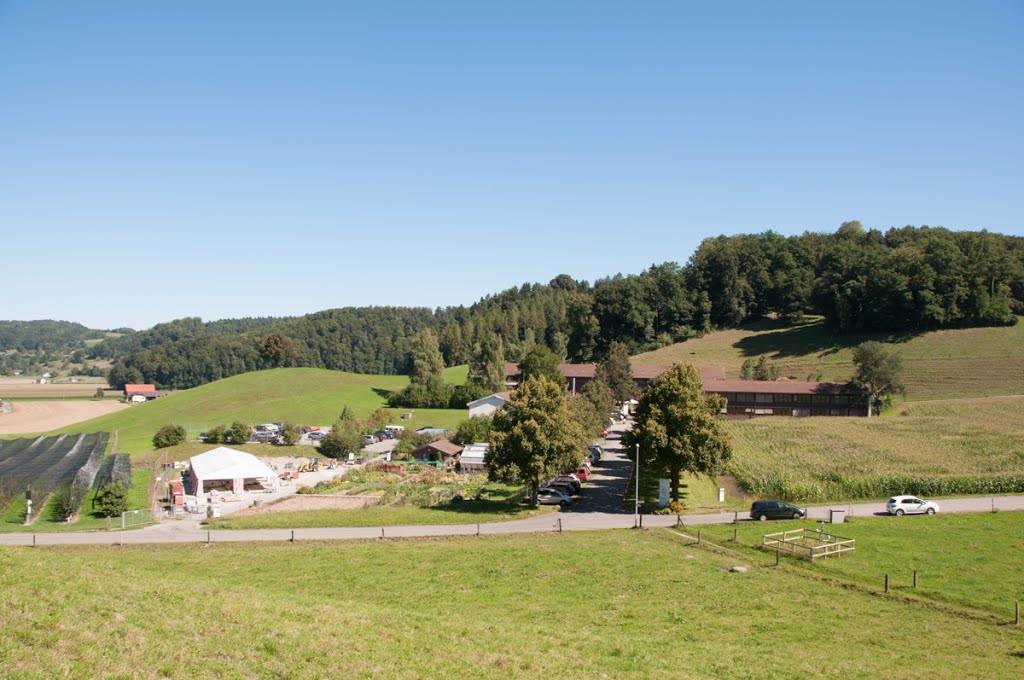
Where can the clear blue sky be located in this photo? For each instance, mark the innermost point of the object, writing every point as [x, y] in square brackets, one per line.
[227, 159]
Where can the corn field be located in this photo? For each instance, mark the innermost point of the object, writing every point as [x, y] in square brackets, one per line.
[950, 448]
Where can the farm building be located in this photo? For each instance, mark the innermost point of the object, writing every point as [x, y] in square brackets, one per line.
[472, 458]
[440, 451]
[750, 398]
[486, 406]
[147, 392]
[578, 375]
[225, 469]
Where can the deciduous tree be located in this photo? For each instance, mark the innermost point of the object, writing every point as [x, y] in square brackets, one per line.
[879, 371]
[535, 436]
[678, 429]
[169, 435]
[615, 370]
[540, 362]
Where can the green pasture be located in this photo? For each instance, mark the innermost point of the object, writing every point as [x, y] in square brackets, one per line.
[307, 396]
[969, 561]
[946, 364]
[587, 604]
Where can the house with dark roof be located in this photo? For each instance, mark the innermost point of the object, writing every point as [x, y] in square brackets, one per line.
[753, 398]
[440, 451]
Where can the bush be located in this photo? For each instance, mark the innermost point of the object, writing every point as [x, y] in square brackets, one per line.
[217, 435]
[66, 502]
[291, 434]
[238, 433]
[169, 435]
[112, 499]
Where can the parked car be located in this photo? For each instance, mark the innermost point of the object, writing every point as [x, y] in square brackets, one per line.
[370, 439]
[582, 474]
[572, 480]
[552, 497]
[315, 435]
[910, 505]
[764, 510]
[565, 487]
[382, 435]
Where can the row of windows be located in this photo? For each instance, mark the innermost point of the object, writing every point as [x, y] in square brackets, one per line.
[817, 411]
[763, 398]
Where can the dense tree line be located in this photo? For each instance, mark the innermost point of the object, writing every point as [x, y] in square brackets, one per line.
[45, 336]
[907, 279]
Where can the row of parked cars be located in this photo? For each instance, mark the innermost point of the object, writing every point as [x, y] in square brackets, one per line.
[897, 505]
[561, 489]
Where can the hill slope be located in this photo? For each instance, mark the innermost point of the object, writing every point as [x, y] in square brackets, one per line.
[301, 395]
[946, 364]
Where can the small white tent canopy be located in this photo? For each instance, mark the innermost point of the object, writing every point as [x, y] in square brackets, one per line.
[227, 469]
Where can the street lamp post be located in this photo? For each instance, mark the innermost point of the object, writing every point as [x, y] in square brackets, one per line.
[636, 494]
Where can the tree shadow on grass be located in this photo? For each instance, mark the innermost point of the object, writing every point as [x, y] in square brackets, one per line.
[494, 503]
[811, 339]
[383, 393]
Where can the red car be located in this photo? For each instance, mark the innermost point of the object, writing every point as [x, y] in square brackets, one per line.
[582, 474]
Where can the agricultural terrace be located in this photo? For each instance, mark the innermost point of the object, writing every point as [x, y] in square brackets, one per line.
[950, 448]
[308, 396]
[640, 603]
[418, 495]
[946, 364]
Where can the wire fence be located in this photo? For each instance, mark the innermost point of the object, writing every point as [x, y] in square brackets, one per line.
[134, 518]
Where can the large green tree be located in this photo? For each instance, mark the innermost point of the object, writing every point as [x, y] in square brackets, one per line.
[426, 363]
[879, 371]
[615, 370]
[344, 438]
[678, 429]
[540, 362]
[535, 436]
[487, 367]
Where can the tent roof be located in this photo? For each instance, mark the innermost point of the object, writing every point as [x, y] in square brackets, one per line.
[225, 463]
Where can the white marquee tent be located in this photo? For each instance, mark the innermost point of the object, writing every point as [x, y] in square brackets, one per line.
[227, 469]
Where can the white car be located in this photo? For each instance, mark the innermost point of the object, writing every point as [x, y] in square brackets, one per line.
[552, 497]
[910, 505]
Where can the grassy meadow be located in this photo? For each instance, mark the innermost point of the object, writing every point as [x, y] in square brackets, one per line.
[589, 604]
[972, 446]
[946, 364]
[302, 395]
[970, 561]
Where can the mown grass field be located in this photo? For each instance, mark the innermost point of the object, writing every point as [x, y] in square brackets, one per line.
[947, 364]
[589, 604]
[467, 512]
[302, 395]
[969, 561]
[820, 459]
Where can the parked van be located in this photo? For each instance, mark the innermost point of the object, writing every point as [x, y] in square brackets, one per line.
[394, 429]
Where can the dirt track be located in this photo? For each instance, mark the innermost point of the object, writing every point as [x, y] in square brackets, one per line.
[43, 416]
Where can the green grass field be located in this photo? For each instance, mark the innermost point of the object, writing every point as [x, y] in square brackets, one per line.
[947, 364]
[819, 459]
[969, 561]
[588, 604]
[467, 512]
[301, 395]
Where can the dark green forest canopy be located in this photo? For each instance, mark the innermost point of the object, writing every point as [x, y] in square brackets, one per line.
[908, 279]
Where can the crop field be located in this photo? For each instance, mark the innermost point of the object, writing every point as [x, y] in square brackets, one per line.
[949, 448]
[307, 396]
[30, 417]
[21, 389]
[602, 604]
[946, 364]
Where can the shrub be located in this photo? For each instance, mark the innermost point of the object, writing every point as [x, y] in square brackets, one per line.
[169, 435]
[66, 502]
[112, 499]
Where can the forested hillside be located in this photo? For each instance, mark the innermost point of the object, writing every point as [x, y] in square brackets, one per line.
[906, 279]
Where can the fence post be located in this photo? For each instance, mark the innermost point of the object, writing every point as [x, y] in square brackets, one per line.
[208, 538]
[559, 525]
[33, 540]
[777, 555]
[886, 583]
[735, 516]
[698, 537]
[915, 579]
[478, 529]
[1016, 612]
[382, 532]
[734, 530]
[293, 535]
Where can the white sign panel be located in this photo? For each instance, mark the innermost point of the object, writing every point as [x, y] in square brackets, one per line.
[662, 493]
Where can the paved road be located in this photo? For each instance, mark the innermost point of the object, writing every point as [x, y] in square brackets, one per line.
[599, 508]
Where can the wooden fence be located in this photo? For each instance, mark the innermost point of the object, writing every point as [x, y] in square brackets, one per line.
[808, 544]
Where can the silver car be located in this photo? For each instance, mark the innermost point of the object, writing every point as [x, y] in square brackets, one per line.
[551, 496]
[910, 505]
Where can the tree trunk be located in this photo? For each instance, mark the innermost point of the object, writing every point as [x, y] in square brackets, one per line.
[675, 472]
[871, 400]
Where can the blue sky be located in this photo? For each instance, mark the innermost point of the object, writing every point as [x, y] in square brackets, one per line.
[169, 159]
